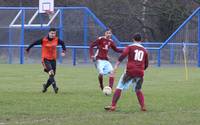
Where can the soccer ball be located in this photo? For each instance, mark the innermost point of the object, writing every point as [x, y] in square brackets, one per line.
[107, 90]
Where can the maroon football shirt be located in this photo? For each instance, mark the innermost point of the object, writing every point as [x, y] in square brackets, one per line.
[103, 44]
[137, 59]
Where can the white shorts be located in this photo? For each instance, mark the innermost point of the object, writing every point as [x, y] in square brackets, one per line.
[104, 67]
[136, 83]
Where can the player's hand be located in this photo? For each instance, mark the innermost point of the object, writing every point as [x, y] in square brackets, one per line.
[27, 50]
[92, 59]
[116, 67]
[114, 71]
[110, 58]
[63, 54]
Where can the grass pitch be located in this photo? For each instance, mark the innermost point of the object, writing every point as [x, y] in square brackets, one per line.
[170, 99]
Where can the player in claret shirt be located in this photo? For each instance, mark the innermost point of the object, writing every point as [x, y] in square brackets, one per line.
[101, 58]
[49, 53]
[137, 63]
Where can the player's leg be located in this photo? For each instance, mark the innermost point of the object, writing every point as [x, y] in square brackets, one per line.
[53, 64]
[100, 66]
[100, 78]
[139, 93]
[47, 68]
[122, 85]
[109, 70]
[115, 99]
[111, 80]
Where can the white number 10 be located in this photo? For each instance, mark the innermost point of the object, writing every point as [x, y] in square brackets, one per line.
[139, 55]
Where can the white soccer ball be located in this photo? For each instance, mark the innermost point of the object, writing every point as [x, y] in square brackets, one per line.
[107, 90]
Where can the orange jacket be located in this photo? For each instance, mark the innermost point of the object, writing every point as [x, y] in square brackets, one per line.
[49, 48]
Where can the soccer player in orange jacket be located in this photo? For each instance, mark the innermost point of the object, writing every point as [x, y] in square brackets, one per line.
[137, 63]
[101, 58]
[49, 54]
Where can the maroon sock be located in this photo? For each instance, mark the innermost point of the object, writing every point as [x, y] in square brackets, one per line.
[140, 97]
[111, 81]
[101, 81]
[116, 96]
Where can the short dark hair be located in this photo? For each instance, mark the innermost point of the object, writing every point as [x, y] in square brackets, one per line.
[108, 29]
[52, 29]
[137, 37]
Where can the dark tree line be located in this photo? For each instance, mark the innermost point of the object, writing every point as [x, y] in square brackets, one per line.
[156, 19]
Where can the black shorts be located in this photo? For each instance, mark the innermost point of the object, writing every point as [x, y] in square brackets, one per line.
[49, 65]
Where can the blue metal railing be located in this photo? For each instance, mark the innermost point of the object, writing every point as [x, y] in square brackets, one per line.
[158, 49]
[75, 48]
[197, 11]
[102, 25]
[198, 39]
[87, 13]
[180, 27]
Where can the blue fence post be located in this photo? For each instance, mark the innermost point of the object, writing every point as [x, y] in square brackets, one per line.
[74, 56]
[60, 33]
[22, 37]
[85, 34]
[198, 39]
[158, 58]
[172, 53]
[10, 48]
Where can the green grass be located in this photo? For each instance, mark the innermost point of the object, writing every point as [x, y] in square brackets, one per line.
[170, 99]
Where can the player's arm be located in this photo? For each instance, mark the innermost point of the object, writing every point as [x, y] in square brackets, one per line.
[92, 45]
[146, 61]
[121, 58]
[62, 43]
[38, 42]
[114, 47]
